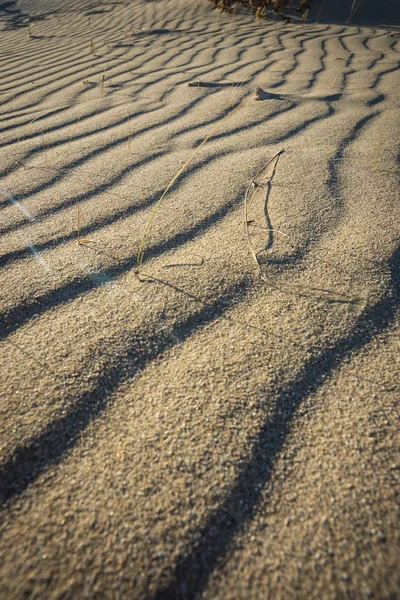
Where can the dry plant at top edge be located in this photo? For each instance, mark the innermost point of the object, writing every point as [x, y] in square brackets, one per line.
[260, 7]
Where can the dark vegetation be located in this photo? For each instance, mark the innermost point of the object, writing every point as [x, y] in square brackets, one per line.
[261, 7]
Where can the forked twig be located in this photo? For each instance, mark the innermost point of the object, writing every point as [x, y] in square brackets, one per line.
[247, 204]
[292, 289]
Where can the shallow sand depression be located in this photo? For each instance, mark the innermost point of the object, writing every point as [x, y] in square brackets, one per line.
[221, 422]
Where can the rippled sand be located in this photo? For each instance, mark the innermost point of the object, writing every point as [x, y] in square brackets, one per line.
[224, 424]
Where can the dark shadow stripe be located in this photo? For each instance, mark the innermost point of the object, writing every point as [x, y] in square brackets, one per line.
[34, 457]
[101, 188]
[78, 162]
[333, 184]
[144, 86]
[24, 312]
[382, 74]
[106, 220]
[198, 560]
[314, 75]
[76, 69]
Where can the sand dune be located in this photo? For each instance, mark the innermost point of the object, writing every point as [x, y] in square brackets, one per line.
[213, 426]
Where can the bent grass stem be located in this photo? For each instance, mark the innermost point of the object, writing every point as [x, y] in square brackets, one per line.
[140, 254]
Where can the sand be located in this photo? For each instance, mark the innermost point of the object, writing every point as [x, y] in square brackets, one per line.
[213, 426]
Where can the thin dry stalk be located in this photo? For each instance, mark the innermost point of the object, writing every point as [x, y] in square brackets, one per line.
[29, 123]
[334, 81]
[140, 254]
[305, 15]
[236, 90]
[354, 7]
[320, 10]
[165, 94]
[103, 78]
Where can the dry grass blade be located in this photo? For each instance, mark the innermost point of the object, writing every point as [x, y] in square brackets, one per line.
[47, 112]
[140, 254]
[165, 94]
[354, 7]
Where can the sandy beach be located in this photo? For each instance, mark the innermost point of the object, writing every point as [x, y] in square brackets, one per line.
[199, 311]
